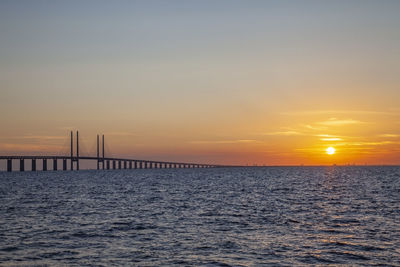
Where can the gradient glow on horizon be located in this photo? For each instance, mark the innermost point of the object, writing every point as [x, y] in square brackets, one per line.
[230, 82]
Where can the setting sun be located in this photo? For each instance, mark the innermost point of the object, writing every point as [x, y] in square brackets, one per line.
[330, 150]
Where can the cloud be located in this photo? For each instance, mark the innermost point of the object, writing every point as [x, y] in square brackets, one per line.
[357, 112]
[331, 139]
[390, 135]
[317, 128]
[224, 141]
[369, 143]
[337, 122]
[285, 133]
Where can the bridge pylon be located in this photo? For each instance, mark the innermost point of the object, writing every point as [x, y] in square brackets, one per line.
[72, 151]
[100, 159]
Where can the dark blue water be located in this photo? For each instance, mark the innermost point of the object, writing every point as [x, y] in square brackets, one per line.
[214, 217]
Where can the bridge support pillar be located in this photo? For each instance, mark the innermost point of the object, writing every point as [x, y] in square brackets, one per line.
[21, 165]
[54, 164]
[9, 165]
[45, 164]
[64, 164]
[119, 164]
[108, 164]
[114, 165]
[33, 165]
[130, 164]
[124, 164]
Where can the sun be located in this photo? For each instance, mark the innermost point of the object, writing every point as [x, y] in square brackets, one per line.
[330, 150]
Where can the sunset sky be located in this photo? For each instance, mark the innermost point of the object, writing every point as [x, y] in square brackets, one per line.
[229, 82]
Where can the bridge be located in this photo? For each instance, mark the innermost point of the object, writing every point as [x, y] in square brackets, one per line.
[103, 163]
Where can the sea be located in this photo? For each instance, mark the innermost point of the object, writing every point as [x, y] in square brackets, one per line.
[250, 216]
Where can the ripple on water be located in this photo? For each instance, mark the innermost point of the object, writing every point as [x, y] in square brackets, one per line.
[280, 216]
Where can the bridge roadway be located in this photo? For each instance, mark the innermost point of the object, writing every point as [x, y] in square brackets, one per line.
[106, 163]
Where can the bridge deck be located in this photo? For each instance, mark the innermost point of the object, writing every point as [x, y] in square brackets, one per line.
[107, 163]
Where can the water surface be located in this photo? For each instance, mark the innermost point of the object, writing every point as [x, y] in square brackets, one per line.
[209, 217]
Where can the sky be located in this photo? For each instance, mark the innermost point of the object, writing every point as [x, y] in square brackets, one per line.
[227, 82]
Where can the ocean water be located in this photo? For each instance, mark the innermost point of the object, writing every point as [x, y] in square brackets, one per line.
[279, 216]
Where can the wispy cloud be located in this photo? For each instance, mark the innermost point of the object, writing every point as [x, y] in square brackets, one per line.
[224, 141]
[332, 112]
[369, 143]
[326, 135]
[285, 133]
[315, 128]
[389, 135]
[331, 139]
[338, 122]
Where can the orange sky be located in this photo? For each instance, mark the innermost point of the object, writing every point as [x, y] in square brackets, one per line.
[230, 83]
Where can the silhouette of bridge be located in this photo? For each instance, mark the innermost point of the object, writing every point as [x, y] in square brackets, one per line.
[103, 163]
